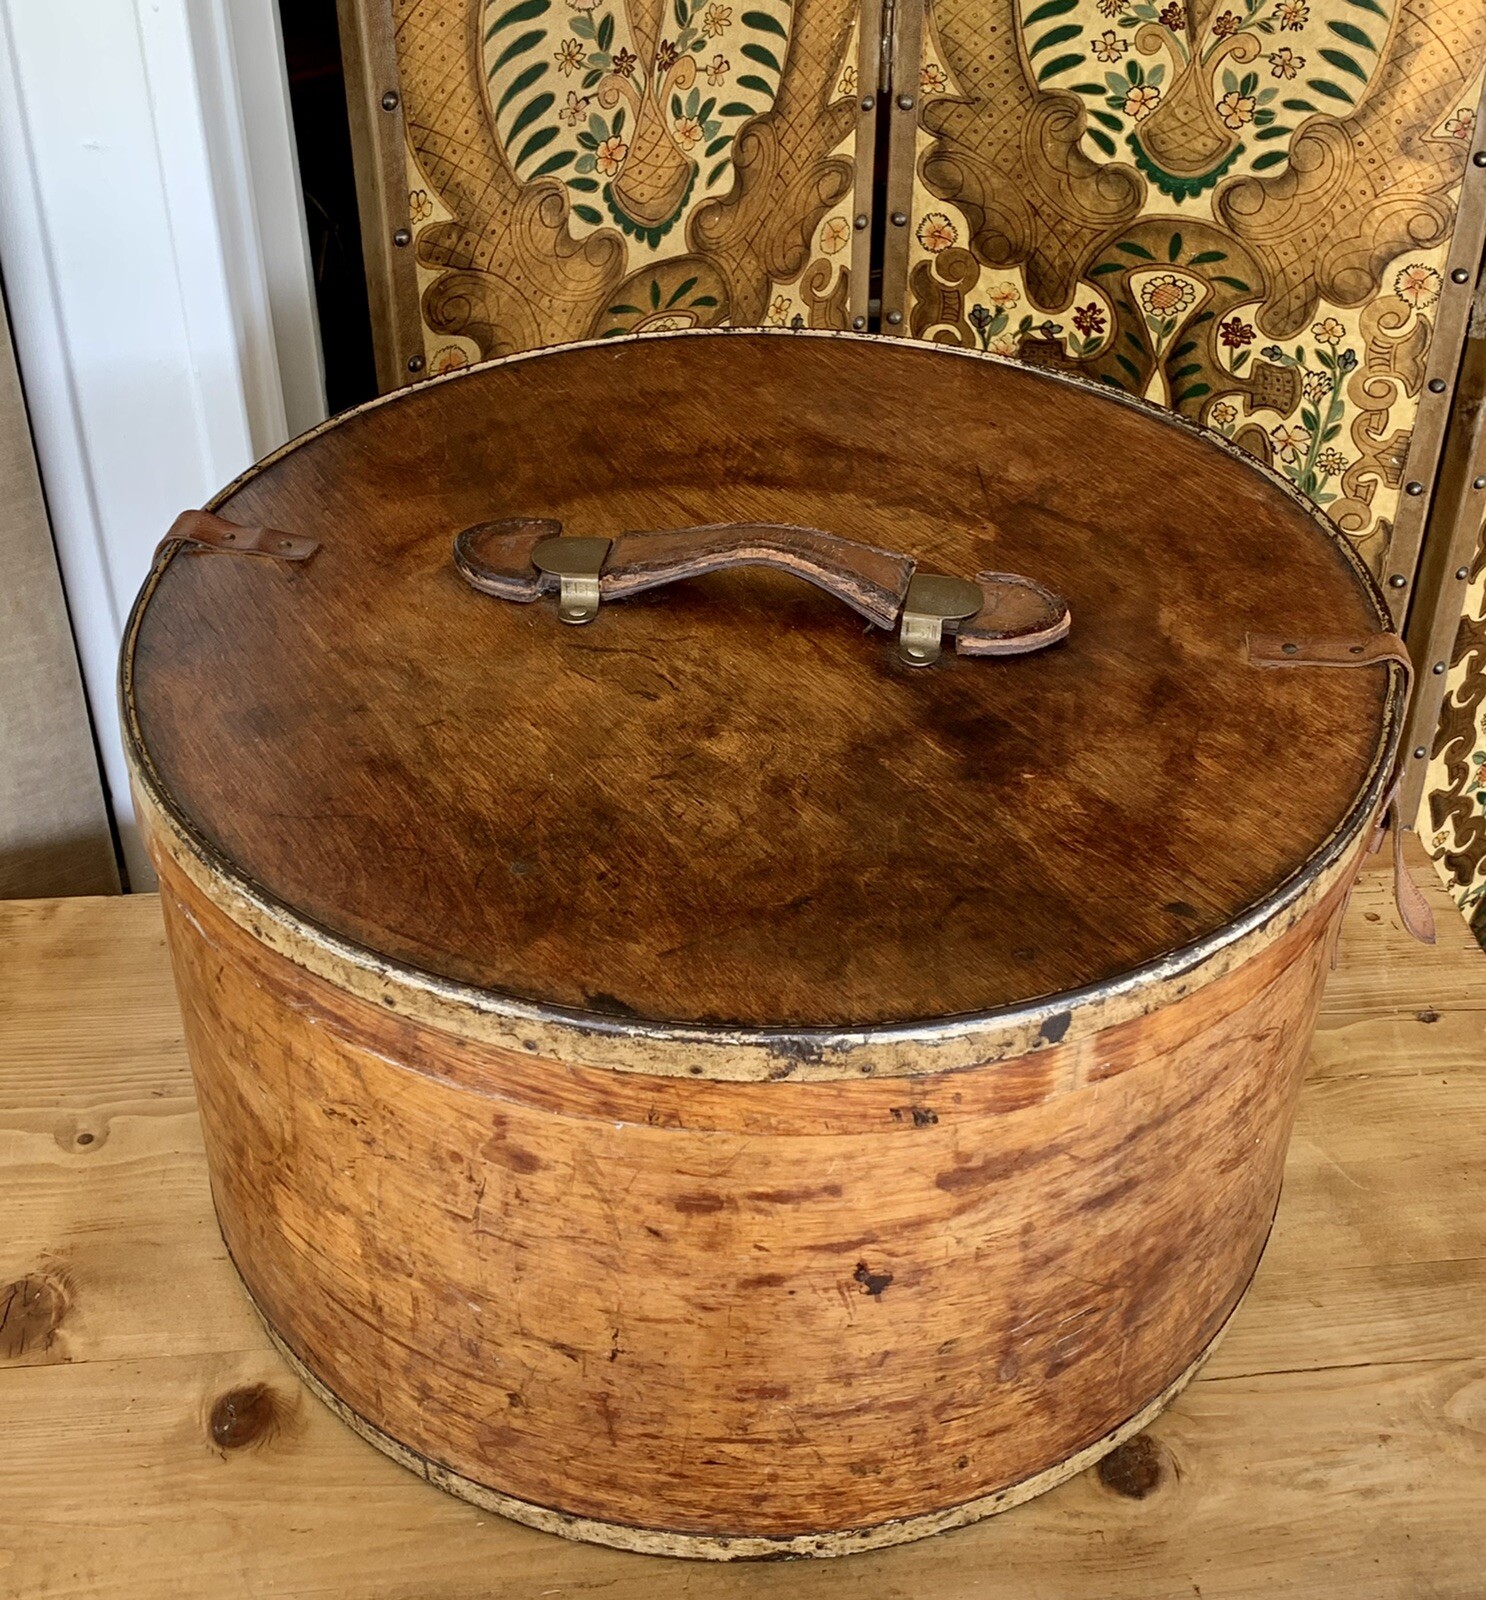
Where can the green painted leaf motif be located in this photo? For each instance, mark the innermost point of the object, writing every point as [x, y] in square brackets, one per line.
[519, 85]
[586, 185]
[751, 80]
[587, 214]
[1187, 371]
[1277, 132]
[1369, 5]
[1233, 283]
[1047, 11]
[762, 55]
[1270, 158]
[624, 311]
[538, 141]
[762, 22]
[554, 163]
[1204, 257]
[736, 108]
[1105, 143]
[716, 173]
[1194, 393]
[1353, 35]
[529, 114]
[705, 300]
[654, 295]
[1054, 37]
[606, 32]
[1106, 266]
[1130, 248]
[1128, 365]
[1107, 119]
[1344, 63]
[1174, 247]
[517, 47]
[684, 288]
[1059, 64]
[1299, 105]
[1332, 91]
[527, 11]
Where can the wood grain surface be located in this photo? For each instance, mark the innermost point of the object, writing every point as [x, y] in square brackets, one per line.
[155, 1448]
[626, 1300]
[727, 802]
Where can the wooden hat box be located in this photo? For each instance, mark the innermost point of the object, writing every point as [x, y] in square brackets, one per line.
[740, 1078]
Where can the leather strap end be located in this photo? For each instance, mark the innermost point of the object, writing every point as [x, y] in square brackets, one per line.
[1019, 615]
[1414, 910]
[495, 557]
[1296, 650]
[204, 530]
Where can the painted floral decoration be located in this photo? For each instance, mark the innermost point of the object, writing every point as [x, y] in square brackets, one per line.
[1462, 125]
[848, 84]
[1109, 46]
[1236, 333]
[1223, 415]
[1236, 109]
[1292, 15]
[834, 234]
[717, 69]
[779, 310]
[448, 359]
[569, 57]
[1089, 319]
[1329, 331]
[609, 156]
[1284, 63]
[420, 207]
[1418, 285]
[1141, 101]
[1166, 295]
[1226, 25]
[936, 232]
[933, 79]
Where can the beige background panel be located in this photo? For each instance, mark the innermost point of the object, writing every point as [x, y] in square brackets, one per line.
[54, 829]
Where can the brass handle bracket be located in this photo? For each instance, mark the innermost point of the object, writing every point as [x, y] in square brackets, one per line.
[576, 564]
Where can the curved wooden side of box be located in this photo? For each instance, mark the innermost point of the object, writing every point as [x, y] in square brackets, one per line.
[726, 1319]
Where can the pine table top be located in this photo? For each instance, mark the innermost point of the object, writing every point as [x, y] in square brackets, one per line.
[155, 1448]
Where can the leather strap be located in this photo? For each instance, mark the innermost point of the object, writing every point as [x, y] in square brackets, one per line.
[1017, 615]
[1281, 650]
[204, 530]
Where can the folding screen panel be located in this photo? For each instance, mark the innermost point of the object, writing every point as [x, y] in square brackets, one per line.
[537, 171]
[1244, 209]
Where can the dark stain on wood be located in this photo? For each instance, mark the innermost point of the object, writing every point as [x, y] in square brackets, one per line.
[1056, 1026]
[249, 1416]
[702, 1204]
[1136, 1468]
[872, 1283]
[794, 1197]
[31, 1311]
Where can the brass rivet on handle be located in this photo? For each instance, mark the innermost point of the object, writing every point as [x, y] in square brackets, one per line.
[1460, 275]
[1398, 581]
[859, 323]
[1438, 668]
[862, 220]
[402, 237]
[905, 102]
[1462, 573]
[415, 363]
[1436, 385]
[867, 102]
[1478, 483]
[895, 317]
[1419, 752]
[391, 100]
[900, 219]
[1413, 488]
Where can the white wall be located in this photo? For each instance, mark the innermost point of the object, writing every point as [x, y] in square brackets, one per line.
[155, 265]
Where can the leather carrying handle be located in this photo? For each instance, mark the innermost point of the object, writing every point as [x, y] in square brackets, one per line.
[523, 558]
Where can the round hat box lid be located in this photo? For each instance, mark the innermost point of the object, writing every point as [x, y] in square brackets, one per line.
[729, 802]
